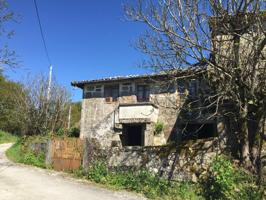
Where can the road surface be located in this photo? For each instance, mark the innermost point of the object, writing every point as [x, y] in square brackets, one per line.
[19, 182]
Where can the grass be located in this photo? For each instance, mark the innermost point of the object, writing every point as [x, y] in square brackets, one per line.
[19, 153]
[222, 182]
[7, 137]
[141, 182]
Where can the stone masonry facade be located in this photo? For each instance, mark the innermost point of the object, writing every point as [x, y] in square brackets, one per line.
[115, 110]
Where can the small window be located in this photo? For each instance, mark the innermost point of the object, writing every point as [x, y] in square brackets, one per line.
[98, 89]
[165, 87]
[91, 88]
[181, 87]
[143, 93]
[111, 93]
[126, 89]
[193, 88]
[168, 87]
[93, 91]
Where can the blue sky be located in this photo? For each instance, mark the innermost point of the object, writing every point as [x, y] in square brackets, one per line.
[85, 40]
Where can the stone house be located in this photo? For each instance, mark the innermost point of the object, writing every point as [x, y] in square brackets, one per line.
[143, 110]
[126, 111]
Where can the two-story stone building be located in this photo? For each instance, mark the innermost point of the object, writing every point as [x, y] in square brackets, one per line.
[127, 110]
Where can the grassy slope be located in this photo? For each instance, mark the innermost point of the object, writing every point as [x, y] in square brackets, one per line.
[20, 154]
[7, 137]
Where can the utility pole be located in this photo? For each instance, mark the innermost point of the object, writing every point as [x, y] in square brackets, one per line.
[69, 117]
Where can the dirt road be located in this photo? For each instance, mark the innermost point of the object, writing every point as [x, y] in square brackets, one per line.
[19, 182]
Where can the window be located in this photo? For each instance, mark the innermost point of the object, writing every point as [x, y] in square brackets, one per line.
[111, 93]
[192, 131]
[93, 91]
[143, 93]
[181, 87]
[193, 88]
[126, 89]
[167, 87]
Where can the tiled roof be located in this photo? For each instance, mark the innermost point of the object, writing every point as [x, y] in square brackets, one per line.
[154, 76]
[118, 78]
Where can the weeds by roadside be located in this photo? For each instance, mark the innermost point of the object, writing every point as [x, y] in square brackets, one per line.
[142, 181]
[19, 154]
[226, 182]
[223, 181]
[7, 137]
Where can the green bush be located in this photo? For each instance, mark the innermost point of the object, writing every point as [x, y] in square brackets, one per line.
[73, 132]
[36, 160]
[246, 187]
[220, 182]
[140, 181]
[226, 182]
[7, 137]
[60, 132]
[159, 127]
[98, 172]
[20, 153]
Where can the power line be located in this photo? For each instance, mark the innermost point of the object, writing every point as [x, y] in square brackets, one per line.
[46, 51]
[41, 30]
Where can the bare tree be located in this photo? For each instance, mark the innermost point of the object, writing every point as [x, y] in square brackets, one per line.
[7, 56]
[224, 38]
[39, 113]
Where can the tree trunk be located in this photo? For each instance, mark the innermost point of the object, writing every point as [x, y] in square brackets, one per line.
[245, 151]
[259, 161]
[245, 143]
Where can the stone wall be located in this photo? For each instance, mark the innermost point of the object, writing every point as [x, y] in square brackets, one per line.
[94, 111]
[169, 105]
[183, 162]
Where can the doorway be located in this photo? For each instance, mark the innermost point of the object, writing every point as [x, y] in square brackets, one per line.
[132, 135]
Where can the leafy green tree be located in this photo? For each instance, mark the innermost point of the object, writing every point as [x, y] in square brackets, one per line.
[75, 114]
[10, 117]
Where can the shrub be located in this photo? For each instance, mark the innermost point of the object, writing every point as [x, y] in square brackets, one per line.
[73, 132]
[226, 182]
[140, 181]
[60, 132]
[7, 137]
[21, 153]
[220, 182]
[246, 187]
[98, 172]
[159, 127]
[36, 160]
